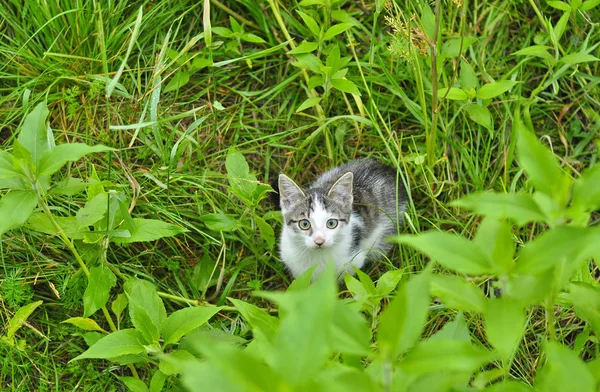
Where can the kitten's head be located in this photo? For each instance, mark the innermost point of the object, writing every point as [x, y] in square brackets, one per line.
[317, 216]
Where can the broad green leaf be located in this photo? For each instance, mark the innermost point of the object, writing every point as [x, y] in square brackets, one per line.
[451, 251]
[540, 164]
[518, 207]
[306, 3]
[351, 332]
[15, 208]
[134, 384]
[495, 239]
[505, 321]
[315, 81]
[338, 377]
[453, 93]
[586, 299]
[441, 381]
[563, 243]
[304, 47]
[559, 5]
[122, 342]
[509, 386]
[71, 187]
[219, 221]
[100, 281]
[7, 169]
[93, 211]
[336, 29]
[39, 221]
[84, 323]
[222, 32]
[457, 329]
[480, 115]
[586, 190]
[173, 362]
[310, 61]
[179, 79]
[146, 309]
[537, 51]
[345, 85]
[312, 25]
[445, 355]
[308, 103]
[529, 289]
[53, 159]
[183, 321]
[388, 282]
[453, 47]
[258, 319]
[119, 305]
[578, 58]
[589, 4]
[564, 371]
[238, 173]
[561, 26]
[19, 318]
[266, 232]
[402, 321]
[304, 342]
[150, 230]
[491, 90]
[253, 38]
[457, 293]
[158, 381]
[33, 135]
[467, 78]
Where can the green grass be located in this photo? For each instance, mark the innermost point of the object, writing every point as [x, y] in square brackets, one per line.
[64, 52]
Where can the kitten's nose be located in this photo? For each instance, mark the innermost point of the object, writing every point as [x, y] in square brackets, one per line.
[319, 240]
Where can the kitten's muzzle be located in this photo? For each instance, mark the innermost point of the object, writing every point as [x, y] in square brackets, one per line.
[319, 240]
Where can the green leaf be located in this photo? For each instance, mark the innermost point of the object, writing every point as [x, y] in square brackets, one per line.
[467, 78]
[495, 239]
[71, 187]
[312, 25]
[457, 329]
[505, 321]
[150, 230]
[589, 4]
[238, 174]
[253, 38]
[445, 355]
[310, 61]
[480, 115]
[451, 251]
[452, 47]
[222, 32]
[266, 232]
[158, 381]
[93, 211]
[559, 5]
[146, 309]
[509, 386]
[491, 90]
[563, 243]
[537, 51]
[100, 281]
[586, 299]
[304, 47]
[84, 323]
[564, 371]
[541, 165]
[220, 222]
[388, 282]
[457, 293]
[304, 342]
[33, 135]
[19, 318]
[529, 289]
[345, 85]
[336, 29]
[15, 208]
[122, 342]
[519, 207]
[183, 321]
[258, 319]
[586, 190]
[561, 26]
[7, 169]
[134, 384]
[351, 332]
[577, 58]
[119, 305]
[179, 79]
[53, 159]
[453, 93]
[308, 103]
[402, 321]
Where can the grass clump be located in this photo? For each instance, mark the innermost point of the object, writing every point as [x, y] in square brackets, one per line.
[167, 121]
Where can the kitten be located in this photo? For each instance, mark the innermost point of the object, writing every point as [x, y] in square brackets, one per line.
[344, 217]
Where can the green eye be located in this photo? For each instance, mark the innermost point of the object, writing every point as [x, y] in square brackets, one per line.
[332, 223]
[304, 224]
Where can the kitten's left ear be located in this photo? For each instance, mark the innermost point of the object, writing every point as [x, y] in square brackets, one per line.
[289, 192]
[341, 190]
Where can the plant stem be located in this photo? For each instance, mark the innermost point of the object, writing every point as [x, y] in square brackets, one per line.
[431, 139]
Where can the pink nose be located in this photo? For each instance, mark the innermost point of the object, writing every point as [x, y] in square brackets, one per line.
[319, 241]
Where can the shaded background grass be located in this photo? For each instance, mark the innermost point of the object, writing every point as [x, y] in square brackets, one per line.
[64, 52]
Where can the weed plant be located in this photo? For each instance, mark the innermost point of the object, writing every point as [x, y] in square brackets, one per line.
[139, 245]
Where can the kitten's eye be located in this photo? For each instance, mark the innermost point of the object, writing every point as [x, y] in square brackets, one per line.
[332, 223]
[304, 224]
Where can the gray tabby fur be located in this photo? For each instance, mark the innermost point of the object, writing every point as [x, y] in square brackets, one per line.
[366, 198]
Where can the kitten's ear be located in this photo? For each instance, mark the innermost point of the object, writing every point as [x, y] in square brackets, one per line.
[289, 192]
[341, 190]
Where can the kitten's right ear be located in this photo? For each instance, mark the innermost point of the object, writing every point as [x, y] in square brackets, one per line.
[289, 192]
